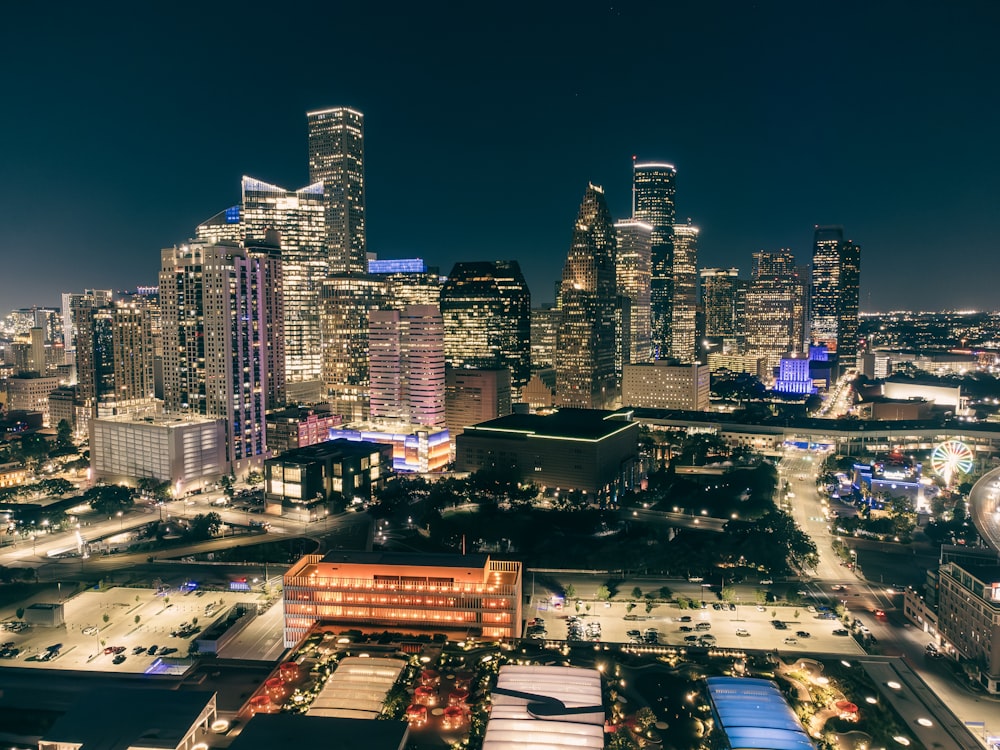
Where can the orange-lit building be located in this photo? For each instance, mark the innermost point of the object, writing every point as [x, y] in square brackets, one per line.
[446, 593]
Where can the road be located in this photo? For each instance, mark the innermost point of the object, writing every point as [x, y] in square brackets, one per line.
[984, 506]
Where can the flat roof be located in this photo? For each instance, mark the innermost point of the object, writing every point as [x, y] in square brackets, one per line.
[581, 424]
[434, 560]
[149, 718]
[526, 703]
[357, 688]
[268, 731]
[754, 714]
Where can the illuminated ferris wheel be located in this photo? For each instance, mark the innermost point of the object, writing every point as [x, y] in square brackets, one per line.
[950, 458]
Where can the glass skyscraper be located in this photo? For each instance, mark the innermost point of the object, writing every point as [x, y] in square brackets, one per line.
[633, 272]
[337, 159]
[486, 308]
[836, 271]
[684, 309]
[585, 360]
[653, 190]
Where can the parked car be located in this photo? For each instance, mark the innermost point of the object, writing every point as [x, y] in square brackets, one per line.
[685, 618]
[686, 629]
[790, 641]
[119, 658]
[841, 631]
[691, 638]
[703, 626]
[766, 581]
[742, 632]
[802, 634]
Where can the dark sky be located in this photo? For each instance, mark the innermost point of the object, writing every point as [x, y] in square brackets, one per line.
[123, 126]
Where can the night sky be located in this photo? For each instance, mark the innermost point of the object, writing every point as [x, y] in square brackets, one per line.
[122, 127]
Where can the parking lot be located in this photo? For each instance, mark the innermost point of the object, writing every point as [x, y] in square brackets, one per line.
[102, 626]
[743, 626]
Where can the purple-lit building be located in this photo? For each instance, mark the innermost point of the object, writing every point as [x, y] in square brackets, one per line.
[794, 376]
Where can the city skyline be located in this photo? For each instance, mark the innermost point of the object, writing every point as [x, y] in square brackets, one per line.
[886, 134]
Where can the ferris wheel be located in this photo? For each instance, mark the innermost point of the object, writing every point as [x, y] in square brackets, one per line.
[950, 458]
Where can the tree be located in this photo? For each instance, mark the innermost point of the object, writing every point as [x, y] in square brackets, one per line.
[20, 613]
[255, 478]
[137, 618]
[649, 606]
[665, 592]
[603, 594]
[637, 593]
[64, 434]
[629, 607]
[205, 525]
[106, 617]
[108, 499]
[571, 591]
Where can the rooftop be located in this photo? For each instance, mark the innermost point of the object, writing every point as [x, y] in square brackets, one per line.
[152, 718]
[268, 731]
[580, 424]
[440, 560]
[356, 689]
[754, 714]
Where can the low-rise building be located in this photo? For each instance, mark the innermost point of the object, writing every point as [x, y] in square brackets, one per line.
[352, 470]
[30, 392]
[969, 617]
[299, 426]
[414, 448]
[666, 385]
[589, 450]
[188, 451]
[445, 593]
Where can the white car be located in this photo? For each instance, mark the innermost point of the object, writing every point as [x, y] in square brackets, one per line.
[766, 581]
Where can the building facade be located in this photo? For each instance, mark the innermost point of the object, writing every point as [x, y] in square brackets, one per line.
[835, 293]
[486, 308]
[718, 296]
[683, 312]
[969, 617]
[469, 594]
[587, 344]
[299, 426]
[589, 450]
[30, 392]
[633, 272]
[653, 189]
[666, 385]
[337, 159]
[474, 396]
[775, 308]
[317, 473]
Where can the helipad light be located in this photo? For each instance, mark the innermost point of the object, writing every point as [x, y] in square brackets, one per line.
[220, 725]
[925, 722]
[902, 740]
[200, 746]
[871, 699]
[894, 685]
[343, 640]
[845, 663]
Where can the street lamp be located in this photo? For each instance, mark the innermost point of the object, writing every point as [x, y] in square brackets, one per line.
[121, 521]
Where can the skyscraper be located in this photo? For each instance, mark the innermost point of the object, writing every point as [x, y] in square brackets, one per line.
[585, 361]
[298, 218]
[775, 307]
[213, 299]
[653, 190]
[684, 309]
[486, 308]
[346, 301]
[407, 365]
[836, 271]
[337, 159]
[633, 273]
[408, 282]
[718, 295]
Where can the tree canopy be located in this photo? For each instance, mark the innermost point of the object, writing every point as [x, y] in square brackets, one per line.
[109, 498]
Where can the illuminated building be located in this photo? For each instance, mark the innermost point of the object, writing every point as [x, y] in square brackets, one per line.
[753, 713]
[775, 308]
[30, 392]
[836, 271]
[440, 592]
[407, 282]
[749, 363]
[666, 385]
[406, 365]
[718, 295]
[413, 449]
[684, 308]
[633, 274]
[969, 617]
[544, 335]
[589, 450]
[71, 301]
[653, 190]
[474, 396]
[486, 307]
[316, 473]
[585, 363]
[215, 326]
[299, 221]
[794, 376]
[299, 426]
[337, 159]
[186, 450]
[346, 301]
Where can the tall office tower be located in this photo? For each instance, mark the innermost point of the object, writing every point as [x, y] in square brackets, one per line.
[775, 308]
[718, 295]
[92, 297]
[298, 218]
[544, 335]
[836, 271]
[585, 362]
[213, 301]
[487, 318]
[406, 361]
[684, 310]
[633, 272]
[408, 282]
[38, 363]
[345, 303]
[337, 159]
[653, 189]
